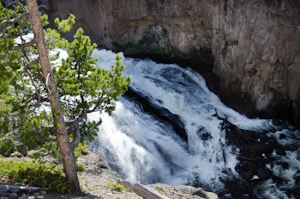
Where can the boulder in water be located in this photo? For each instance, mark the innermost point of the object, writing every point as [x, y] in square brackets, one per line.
[277, 179]
[249, 165]
[248, 175]
[264, 173]
[280, 151]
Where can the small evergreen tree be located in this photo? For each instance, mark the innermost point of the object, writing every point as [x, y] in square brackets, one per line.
[27, 84]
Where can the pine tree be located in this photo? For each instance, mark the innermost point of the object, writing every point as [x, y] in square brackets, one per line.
[72, 89]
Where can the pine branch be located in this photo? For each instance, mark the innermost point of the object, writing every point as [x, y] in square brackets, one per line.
[17, 115]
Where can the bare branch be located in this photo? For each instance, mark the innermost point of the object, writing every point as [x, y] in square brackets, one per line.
[28, 101]
[25, 54]
[15, 20]
[77, 135]
[6, 29]
[31, 63]
[21, 5]
[21, 27]
[44, 99]
[24, 45]
[43, 6]
[32, 81]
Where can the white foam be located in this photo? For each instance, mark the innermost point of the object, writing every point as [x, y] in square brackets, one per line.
[145, 150]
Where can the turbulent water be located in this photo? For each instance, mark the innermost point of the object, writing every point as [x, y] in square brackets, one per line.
[143, 148]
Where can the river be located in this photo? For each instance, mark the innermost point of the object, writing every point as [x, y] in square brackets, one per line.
[143, 147]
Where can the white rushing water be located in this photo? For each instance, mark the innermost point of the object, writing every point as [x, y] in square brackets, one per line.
[144, 149]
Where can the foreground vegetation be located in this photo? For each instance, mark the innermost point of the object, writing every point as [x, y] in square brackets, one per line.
[51, 177]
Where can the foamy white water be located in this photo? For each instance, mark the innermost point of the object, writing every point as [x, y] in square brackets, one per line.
[144, 149]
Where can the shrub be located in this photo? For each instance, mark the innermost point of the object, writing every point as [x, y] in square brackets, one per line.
[48, 176]
[116, 187]
[51, 149]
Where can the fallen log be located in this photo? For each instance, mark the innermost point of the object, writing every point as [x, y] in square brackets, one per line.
[20, 188]
[145, 192]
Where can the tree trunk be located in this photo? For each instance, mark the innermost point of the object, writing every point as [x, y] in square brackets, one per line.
[67, 152]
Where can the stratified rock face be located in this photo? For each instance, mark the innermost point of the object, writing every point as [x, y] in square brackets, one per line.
[256, 46]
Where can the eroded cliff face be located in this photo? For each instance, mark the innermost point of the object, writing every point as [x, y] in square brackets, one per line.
[256, 46]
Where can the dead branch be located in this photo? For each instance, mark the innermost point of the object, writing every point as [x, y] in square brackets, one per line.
[240, 156]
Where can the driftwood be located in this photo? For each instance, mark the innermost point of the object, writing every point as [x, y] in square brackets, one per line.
[21, 188]
[6, 190]
[143, 191]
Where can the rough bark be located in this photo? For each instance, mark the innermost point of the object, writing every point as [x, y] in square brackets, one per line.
[66, 150]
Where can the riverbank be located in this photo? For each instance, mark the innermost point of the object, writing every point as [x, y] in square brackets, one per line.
[94, 184]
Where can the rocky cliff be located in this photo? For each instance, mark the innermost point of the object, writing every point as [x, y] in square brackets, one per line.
[255, 43]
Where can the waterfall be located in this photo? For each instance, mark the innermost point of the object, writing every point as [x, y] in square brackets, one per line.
[143, 148]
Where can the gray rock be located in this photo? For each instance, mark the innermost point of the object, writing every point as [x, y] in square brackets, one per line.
[185, 189]
[13, 195]
[4, 194]
[264, 173]
[23, 196]
[43, 192]
[248, 175]
[31, 197]
[212, 195]
[32, 152]
[16, 154]
[249, 165]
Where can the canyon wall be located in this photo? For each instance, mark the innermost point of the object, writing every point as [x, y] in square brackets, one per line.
[255, 43]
